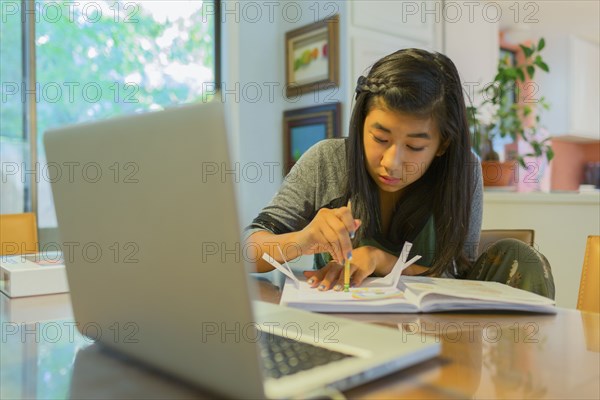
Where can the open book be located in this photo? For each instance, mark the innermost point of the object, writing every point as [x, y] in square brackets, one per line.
[416, 294]
[410, 294]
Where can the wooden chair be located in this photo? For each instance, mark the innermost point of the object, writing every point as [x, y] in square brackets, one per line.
[490, 236]
[18, 234]
[589, 286]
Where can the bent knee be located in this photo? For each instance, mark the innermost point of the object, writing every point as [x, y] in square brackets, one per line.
[508, 246]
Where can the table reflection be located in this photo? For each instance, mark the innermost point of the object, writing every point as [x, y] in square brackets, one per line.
[100, 373]
[483, 355]
[591, 327]
[37, 358]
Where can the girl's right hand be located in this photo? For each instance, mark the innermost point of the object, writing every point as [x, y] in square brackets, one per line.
[330, 231]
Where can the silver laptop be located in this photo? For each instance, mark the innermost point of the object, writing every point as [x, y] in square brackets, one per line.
[156, 268]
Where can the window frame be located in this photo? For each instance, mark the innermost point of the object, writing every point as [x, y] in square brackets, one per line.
[30, 128]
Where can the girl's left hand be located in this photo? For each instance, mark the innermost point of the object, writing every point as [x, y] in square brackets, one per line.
[362, 265]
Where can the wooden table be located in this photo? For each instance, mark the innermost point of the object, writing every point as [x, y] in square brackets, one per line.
[498, 355]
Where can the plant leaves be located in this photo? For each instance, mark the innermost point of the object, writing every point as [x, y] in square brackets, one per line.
[541, 44]
[512, 115]
[511, 73]
[522, 162]
[530, 71]
[528, 52]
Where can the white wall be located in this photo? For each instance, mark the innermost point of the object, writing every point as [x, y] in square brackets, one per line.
[471, 41]
[570, 17]
[253, 101]
[376, 28]
[254, 71]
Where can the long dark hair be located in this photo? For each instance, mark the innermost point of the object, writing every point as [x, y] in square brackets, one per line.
[426, 85]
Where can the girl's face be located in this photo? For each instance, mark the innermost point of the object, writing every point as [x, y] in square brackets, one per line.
[399, 147]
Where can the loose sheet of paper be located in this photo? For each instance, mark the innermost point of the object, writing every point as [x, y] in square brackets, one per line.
[392, 279]
[384, 286]
[287, 271]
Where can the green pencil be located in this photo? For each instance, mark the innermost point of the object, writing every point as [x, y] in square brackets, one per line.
[347, 275]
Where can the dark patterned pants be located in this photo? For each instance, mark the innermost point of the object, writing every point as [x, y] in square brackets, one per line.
[517, 264]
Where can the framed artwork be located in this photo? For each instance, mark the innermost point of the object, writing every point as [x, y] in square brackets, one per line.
[312, 57]
[304, 127]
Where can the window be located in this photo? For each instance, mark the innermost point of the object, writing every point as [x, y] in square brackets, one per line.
[13, 147]
[93, 60]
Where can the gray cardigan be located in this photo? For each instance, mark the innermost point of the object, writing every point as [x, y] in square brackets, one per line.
[319, 178]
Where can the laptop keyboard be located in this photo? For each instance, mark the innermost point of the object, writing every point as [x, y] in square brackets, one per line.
[282, 356]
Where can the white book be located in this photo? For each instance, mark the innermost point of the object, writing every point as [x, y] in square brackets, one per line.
[416, 295]
[33, 274]
[32, 309]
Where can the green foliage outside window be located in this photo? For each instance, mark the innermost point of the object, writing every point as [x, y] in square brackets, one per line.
[96, 60]
[124, 62]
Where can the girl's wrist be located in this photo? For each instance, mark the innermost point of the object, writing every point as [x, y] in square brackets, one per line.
[415, 270]
[294, 244]
[301, 240]
[382, 260]
[387, 263]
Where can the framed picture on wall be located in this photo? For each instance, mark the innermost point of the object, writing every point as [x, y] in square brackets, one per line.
[312, 57]
[304, 127]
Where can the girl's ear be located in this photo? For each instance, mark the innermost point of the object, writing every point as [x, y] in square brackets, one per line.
[443, 148]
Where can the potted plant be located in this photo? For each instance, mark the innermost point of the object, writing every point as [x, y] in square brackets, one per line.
[482, 120]
[501, 116]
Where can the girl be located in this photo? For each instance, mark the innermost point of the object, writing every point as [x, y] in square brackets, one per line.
[405, 173]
